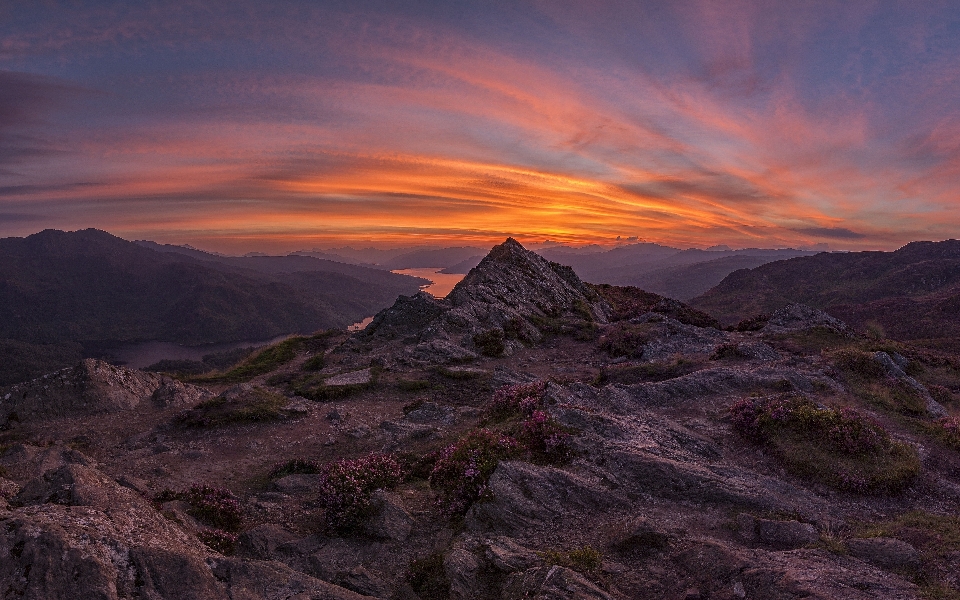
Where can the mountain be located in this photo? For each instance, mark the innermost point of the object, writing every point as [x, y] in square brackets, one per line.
[441, 257]
[912, 293]
[678, 274]
[88, 286]
[530, 436]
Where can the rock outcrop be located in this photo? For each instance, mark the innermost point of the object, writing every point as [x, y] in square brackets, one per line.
[510, 297]
[94, 387]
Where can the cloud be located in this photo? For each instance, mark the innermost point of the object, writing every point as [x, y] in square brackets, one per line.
[840, 233]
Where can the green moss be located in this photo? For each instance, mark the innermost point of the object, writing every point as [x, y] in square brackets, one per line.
[490, 342]
[259, 406]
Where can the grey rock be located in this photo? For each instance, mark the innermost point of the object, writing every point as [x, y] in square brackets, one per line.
[361, 377]
[134, 483]
[91, 387]
[553, 583]
[72, 485]
[462, 569]
[507, 556]
[893, 369]
[526, 496]
[172, 392]
[269, 580]
[779, 535]
[430, 412]
[262, 541]
[296, 484]
[797, 317]
[786, 535]
[886, 553]
[362, 581]
[390, 521]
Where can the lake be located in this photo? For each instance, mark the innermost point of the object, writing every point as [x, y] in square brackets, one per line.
[440, 285]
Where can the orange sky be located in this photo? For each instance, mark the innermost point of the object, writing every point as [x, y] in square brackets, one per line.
[692, 124]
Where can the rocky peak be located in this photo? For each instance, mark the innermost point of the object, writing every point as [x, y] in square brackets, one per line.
[522, 281]
[511, 294]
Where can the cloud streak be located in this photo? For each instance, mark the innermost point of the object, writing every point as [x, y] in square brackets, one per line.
[753, 126]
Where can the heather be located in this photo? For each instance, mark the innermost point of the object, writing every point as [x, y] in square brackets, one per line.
[462, 470]
[838, 446]
[346, 487]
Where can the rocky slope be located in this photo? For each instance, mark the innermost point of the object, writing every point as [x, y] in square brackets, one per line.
[529, 437]
[910, 294]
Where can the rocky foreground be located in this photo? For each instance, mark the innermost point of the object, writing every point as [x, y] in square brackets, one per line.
[529, 436]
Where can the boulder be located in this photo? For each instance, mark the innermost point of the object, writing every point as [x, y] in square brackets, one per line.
[262, 541]
[389, 521]
[552, 583]
[462, 570]
[779, 535]
[797, 317]
[886, 553]
[297, 484]
[269, 580]
[91, 387]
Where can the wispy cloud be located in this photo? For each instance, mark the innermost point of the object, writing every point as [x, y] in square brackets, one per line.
[752, 125]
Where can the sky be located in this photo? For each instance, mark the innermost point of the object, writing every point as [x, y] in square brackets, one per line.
[238, 126]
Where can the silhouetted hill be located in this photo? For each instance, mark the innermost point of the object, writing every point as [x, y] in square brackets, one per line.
[441, 257]
[911, 293]
[675, 273]
[86, 286]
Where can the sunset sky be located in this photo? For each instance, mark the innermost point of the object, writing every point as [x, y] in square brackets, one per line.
[239, 126]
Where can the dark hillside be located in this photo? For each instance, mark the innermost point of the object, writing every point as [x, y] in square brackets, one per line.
[912, 293]
[58, 287]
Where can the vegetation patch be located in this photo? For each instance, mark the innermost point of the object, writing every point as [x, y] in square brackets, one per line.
[949, 431]
[515, 401]
[586, 559]
[256, 406]
[268, 359]
[646, 372]
[517, 329]
[210, 362]
[346, 487]
[809, 341]
[755, 323]
[626, 339]
[867, 379]
[490, 342]
[428, 578]
[212, 506]
[538, 435]
[224, 542]
[839, 447]
[462, 470]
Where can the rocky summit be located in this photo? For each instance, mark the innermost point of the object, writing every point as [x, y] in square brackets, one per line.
[529, 436]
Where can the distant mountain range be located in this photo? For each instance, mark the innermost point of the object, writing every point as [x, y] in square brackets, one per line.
[910, 294]
[671, 272]
[89, 286]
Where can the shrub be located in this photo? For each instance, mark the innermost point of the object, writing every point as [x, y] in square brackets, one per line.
[950, 428]
[515, 400]
[837, 446]
[295, 466]
[314, 363]
[219, 540]
[428, 578]
[517, 329]
[544, 439]
[626, 340]
[346, 487]
[264, 361]
[257, 406]
[490, 342]
[755, 323]
[217, 507]
[463, 469]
